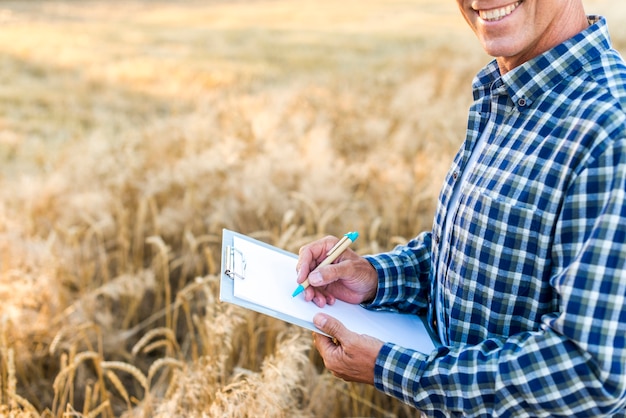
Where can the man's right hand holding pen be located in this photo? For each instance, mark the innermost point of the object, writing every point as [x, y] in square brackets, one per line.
[351, 278]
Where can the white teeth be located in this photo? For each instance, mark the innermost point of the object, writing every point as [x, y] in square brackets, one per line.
[497, 14]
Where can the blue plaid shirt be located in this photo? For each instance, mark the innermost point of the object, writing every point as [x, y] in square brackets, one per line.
[532, 280]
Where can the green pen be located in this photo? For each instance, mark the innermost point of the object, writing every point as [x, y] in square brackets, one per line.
[331, 256]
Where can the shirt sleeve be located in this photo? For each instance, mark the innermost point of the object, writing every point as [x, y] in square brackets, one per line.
[403, 277]
[575, 364]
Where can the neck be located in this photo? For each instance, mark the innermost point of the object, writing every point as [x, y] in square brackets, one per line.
[571, 22]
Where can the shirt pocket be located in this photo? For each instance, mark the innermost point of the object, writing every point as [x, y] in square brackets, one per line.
[500, 251]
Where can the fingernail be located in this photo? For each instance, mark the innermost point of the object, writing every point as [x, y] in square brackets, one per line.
[315, 278]
[319, 320]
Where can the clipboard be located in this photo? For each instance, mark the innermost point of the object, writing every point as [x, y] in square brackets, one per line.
[260, 277]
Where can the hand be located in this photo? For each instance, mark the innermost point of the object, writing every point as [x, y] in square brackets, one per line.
[353, 357]
[350, 278]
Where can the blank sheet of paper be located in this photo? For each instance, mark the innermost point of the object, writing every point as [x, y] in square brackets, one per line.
[270, 279]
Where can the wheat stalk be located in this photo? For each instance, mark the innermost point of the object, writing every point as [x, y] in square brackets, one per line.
[83, 356]
[75, 330]
[164, 256]
[24, 404]
[128, 368]
[100, 409]
[169, 348]
[87, 403]
[62, 386]
[212, 266]
[56, 385]
[76, 361]
[190, 325]
[167, 333]
[162, 363]
[138, 235]
[193, 250]
[4, 363]
[98, 234]
[11, 380]
[118, 385]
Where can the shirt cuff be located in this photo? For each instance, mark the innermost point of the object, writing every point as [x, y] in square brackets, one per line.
[397, 371]
[381, 294]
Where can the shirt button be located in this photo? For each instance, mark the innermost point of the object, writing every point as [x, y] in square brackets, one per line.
[521, 102]
[455, 175]
[437, 239]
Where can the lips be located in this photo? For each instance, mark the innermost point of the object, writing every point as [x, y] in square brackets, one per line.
[498, 14]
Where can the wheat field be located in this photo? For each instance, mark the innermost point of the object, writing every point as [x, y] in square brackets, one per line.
[132, 132]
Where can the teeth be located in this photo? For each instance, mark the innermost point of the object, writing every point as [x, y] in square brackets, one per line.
[497, 14]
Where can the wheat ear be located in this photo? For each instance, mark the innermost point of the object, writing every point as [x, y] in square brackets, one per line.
[161, 331]
[118, 385]
[168, 361]
[128, 368]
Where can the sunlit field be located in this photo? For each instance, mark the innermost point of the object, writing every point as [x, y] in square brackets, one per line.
[132, 132]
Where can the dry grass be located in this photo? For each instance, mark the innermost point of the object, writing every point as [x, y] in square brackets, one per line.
[132, 132]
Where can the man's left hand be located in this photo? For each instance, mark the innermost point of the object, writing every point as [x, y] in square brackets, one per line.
[349, 356]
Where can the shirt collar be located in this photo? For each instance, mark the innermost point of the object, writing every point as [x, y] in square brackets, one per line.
[540, 74]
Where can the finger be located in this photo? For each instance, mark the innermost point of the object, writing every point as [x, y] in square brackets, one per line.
[321, 296]
[317, 296]
[320, 301]
[330, 299]
[332, 327]
[302, 273]
[303, 267]
[309, 256]
[329, 348]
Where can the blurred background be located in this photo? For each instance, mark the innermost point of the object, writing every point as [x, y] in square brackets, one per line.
[132, 132]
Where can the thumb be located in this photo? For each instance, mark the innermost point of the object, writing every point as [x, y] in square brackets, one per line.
[325, 275]
[331, 326]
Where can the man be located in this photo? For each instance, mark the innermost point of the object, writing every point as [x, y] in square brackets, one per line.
[524, 272]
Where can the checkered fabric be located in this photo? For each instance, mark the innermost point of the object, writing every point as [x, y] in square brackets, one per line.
[532, 282]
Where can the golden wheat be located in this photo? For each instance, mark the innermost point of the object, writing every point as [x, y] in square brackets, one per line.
[283, 120]
[23, 403]
[119, 386]
[144, 343]
[100, 409]
[128, 368]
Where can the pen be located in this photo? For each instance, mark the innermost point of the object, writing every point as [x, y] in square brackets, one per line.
[331, 256]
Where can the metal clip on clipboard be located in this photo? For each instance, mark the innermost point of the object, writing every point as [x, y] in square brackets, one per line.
[235, 263]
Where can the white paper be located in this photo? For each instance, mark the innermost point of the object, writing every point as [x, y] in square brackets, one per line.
[270, 279]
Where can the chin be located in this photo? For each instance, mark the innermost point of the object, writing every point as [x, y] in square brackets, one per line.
[500, 49]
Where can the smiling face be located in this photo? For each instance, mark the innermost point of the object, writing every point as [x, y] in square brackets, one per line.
[517, 31]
